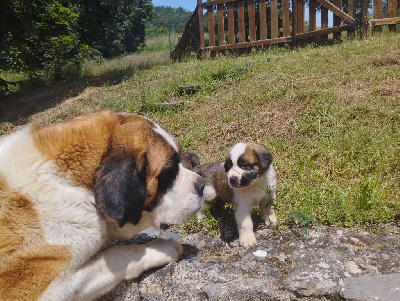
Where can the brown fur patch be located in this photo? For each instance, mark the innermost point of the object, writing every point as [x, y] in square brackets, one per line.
[253, 151]
[79, 145]
[27, 262]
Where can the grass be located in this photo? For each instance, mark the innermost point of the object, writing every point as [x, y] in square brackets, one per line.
[330, 116]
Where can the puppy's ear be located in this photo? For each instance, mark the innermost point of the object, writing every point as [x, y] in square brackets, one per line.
[228, 163]
[264, 157]
[120, 188]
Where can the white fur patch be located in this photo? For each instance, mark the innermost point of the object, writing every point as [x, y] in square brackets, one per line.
[238, 150]
[235, 171]
[158, 129]
[209, 193]
[180, 202]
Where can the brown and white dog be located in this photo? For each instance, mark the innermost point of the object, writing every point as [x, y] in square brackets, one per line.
[246, 178]
[67, 190]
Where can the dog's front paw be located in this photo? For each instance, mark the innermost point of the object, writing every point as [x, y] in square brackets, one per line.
[169, 249]
[247, 240]
[158, 253]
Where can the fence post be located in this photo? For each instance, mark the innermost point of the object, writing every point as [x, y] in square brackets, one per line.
[391, 14]
[312, 13]
[300, 20]
[337, 21]
[377, 11]
[351, 11]
[364, 18]
[294, 22]
[201, 29]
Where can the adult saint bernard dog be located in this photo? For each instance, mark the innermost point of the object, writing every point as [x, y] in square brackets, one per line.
[68, 189]
[246, 178]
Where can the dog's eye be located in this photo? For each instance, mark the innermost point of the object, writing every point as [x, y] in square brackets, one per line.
[245, 165]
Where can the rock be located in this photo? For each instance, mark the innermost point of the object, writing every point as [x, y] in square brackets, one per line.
[327, 263]
[365, 288]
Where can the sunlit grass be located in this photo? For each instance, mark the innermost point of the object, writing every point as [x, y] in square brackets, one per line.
[330, 116]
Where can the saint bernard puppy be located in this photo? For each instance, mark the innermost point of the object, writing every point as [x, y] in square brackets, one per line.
[68, 189]
[246, 178]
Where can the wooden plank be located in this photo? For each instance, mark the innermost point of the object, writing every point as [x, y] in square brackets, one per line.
[252, 20]
[337, 11]
[324, 24]
[337, 21]
[286, 18]
[300, 20]
[364, 18]
[231, 25]
[211, 29]
[241, 25]
[294, 22]
[312, 17]
[326, 31]
[377, 14]
[221, 25]
[201, 29]
[351, 11]
[274, 18]
[391, 13]
[211, 25]
[252, 44]
[262, 11]
[386, 21]
[217, 2]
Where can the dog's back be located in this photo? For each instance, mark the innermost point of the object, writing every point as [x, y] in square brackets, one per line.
[216, 182]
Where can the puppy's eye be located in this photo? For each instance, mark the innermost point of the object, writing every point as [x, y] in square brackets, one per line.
[245, 166]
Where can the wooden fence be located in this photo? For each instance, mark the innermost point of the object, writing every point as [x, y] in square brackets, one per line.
[240, 25]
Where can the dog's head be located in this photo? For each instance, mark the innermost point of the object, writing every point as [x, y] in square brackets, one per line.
[142, 171]
[245, 163]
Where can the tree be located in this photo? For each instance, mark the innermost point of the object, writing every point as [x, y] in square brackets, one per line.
[38, 34]
[113, 27]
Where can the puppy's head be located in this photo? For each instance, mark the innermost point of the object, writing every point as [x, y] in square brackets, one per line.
[245, 163]
[142, 171]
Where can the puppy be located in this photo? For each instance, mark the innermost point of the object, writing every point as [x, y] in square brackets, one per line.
[246, 178]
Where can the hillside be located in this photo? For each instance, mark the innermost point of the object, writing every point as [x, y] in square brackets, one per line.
[330, 115]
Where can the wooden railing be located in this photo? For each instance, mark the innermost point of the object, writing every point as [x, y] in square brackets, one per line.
[240, 25]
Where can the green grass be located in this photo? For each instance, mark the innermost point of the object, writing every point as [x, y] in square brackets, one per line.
[330, 116]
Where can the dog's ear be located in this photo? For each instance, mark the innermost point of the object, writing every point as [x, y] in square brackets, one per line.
[189, 160]
[228, 163]
[120, 188]
[264, 157]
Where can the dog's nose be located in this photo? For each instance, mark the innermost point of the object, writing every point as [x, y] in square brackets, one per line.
[233, 180]
[199, 186]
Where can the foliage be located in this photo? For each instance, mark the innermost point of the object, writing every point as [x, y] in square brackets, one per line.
[50, 35]
[167, 19]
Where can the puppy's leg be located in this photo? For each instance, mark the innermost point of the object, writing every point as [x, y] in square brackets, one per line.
[111, 267]
[267, 213]
[209, 195]
[245, 224]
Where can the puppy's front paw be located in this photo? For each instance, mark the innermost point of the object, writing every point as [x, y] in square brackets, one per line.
[271, 221]
[247, 240]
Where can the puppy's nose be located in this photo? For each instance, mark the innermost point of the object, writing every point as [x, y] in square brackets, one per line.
[233, 180]
[199, 186]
